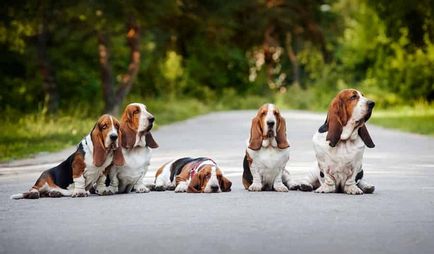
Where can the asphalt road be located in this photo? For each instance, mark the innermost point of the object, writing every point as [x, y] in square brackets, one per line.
[397, 218]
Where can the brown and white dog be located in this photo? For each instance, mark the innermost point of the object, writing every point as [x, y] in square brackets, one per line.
[339, 145]
[85, 167]
[267, 153]
[192, 175]
[137, 141]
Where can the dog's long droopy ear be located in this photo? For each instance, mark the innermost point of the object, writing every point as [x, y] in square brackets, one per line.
[150, 142]
[99, 153]
[364, 134]
[336, 119]
[282, 140]
[225, 184]
[255, 141]
[128, 137]
[195, 184]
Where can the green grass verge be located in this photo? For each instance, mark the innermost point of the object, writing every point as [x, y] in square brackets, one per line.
[38, 133]
[416, 119]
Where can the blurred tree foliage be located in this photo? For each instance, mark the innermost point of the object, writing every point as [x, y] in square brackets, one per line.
[64, 54]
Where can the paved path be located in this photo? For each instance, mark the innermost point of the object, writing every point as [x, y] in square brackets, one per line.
[398, 218]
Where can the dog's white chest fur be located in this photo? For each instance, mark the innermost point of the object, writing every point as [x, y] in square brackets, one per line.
[339, 161]
[269, 161]
[136, 163]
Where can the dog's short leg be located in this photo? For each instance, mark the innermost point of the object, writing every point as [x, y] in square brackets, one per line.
[257, 182]
[327, 186]
[140, 186]
[79, 187]
[278, 184]
[101, 189]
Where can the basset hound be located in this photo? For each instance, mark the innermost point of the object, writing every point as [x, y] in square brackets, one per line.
[194, 175]
[339, 145]
[85, 167]
[267, 153]
[137, 142]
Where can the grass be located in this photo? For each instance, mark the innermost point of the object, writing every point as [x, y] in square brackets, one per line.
[36, 133]
[417, 119]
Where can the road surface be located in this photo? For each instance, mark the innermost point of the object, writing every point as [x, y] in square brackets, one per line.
[397, 218]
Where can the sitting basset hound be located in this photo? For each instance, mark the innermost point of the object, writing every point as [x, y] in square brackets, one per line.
[194, 175]
[339, 145]
[85, 167]
[137, 141]
[267, 153]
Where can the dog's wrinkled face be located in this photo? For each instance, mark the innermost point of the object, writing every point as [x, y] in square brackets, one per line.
[210, 179]
[356, 106]
[268, 129]
[139, 117]
[347, 115]
[108, 131]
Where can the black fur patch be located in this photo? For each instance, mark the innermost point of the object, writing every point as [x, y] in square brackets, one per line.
[321, 174]
[323, 128]
[247, 174]
[359, 176]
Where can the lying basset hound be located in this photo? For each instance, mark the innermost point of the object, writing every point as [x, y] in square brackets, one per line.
[267, 153]
[137, 141]
[192, 175]
[339, 145]
[85, 167]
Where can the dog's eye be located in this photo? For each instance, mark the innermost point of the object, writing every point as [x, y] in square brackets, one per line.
[136, 112]
[353, 97]
[104, 126]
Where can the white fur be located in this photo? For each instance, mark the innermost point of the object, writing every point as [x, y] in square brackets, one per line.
[137, 160]
[340, 164]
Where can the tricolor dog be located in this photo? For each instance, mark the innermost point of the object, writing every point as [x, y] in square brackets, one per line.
[137, 142]
[194, 175]
[267, 153]
[339, 145]
[85, 167]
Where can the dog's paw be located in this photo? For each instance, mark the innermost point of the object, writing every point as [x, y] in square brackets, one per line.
[369, 189]
[280, 188]
[159, 188]
[324, 188]
[103, 191]
[255, 187]
[306, 187]
[55, 194]
[79, 193]
[353, 190]
[141, 189]
[182, 187]
[112, 190]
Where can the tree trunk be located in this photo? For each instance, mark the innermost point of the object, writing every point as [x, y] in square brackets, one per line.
[51, 94]
[113, 100]
[106, 73]
[294, 61]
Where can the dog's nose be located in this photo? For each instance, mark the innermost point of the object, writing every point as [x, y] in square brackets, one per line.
[270, 123]
[151, 119]
[371, 104]
[113, 137]
[214, 188]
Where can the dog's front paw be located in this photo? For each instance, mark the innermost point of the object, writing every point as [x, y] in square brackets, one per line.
[182, 187]
[353, 190]
[141, 189]
[111, 190]
[280, 188]
[103, 191]
[255, 187]
[55, 194]
[325, 188]
[79, 193]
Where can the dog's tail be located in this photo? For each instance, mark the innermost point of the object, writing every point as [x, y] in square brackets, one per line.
[17, 196]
